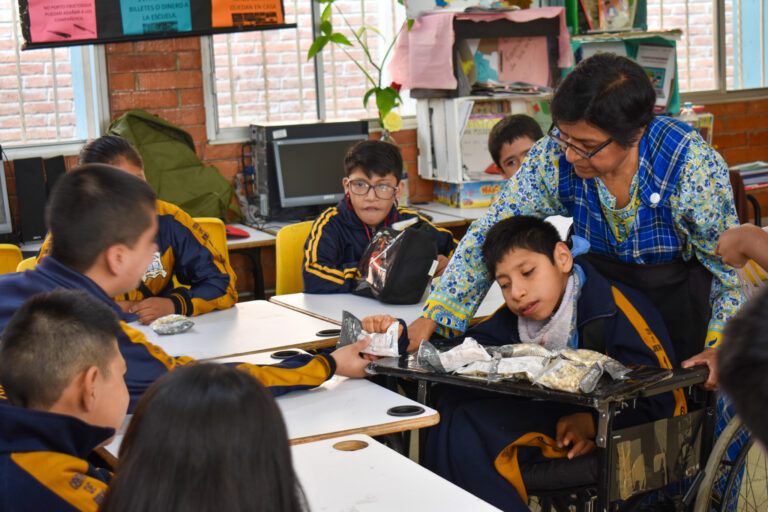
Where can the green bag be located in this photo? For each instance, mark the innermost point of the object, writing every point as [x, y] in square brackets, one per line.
[172, 166]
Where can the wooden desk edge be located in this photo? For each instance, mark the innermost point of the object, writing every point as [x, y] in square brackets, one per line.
[273, 300]
[309, 345]
[377, 430]
[234, 246]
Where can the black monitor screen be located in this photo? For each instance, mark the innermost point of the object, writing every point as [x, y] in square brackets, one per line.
[5, 213]
[309, 171]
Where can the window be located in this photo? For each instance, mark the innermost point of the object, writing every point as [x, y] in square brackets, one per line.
[742, 38]
[49, 97]
[261, 77]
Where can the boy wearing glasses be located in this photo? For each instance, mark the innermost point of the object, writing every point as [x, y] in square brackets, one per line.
[340, 234]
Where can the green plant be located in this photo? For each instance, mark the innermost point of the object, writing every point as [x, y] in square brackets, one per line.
[387, 98]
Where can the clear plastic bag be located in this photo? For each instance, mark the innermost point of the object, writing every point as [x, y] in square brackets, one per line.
[382, 344]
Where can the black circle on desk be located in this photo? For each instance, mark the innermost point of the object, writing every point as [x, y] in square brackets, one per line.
[328, 332]
[405, 410]
[284, 354]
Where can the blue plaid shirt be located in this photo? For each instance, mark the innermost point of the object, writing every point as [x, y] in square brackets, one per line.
[680, 202]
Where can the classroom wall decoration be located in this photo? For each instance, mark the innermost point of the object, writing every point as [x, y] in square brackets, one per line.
[50, 23]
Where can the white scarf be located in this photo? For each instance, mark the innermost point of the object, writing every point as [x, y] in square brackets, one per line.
[558, 331]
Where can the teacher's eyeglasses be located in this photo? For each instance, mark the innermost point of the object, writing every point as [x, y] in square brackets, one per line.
[579, 151]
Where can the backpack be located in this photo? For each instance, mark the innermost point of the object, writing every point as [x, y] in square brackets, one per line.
[397, 266]
[172, 166]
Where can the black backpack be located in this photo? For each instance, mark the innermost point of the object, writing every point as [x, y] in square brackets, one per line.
[397, 266]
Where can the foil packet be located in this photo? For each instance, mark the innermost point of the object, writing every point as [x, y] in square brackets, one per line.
[382, 344]
[172, 324]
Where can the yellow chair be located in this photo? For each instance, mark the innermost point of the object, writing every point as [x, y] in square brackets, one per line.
[27, 264]
[289, 253]
[10, 257]
[218, 233]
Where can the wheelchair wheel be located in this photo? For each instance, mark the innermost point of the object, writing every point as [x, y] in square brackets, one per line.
[736, 474]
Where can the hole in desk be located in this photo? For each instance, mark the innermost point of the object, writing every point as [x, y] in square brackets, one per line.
[405, 410]
[350, 446]
[284, 354]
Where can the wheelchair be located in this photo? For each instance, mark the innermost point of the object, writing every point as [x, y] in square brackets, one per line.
[675, 463]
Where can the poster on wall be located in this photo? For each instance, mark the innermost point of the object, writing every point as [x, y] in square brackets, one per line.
[57, 20]
[234, 13]
[153, 16]
[52, 23]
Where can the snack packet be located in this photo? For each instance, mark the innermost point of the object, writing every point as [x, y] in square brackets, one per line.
[172, 324]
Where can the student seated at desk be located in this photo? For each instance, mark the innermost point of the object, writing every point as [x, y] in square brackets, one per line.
[104, 225]
[62, 373]
[510, 140]
[340, 234]
[559, 303]
[184, 251]
[205, 437]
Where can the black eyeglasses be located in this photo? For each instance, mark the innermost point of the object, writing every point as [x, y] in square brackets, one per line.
[361, 188]
[581, 152]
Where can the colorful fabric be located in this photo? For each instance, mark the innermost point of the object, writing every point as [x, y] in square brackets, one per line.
[43, 462]
[685, 203]
[336, 243]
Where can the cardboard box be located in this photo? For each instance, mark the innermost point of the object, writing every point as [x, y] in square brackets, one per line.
[471, 194]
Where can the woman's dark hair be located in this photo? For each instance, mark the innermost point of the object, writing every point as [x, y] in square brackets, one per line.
[108, 149]
[608, 91]
[205, 437]
[519, 232]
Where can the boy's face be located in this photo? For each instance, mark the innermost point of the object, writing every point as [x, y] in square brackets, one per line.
[111, 395]
[138, 257]
[512, 155]
[369, 208]
[531, 284]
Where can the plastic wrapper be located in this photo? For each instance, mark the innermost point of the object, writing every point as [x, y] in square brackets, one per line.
[382, 344]
[461, 355]
[172, 324]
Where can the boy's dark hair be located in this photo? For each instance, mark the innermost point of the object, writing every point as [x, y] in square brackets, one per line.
[109, 149]
[508, 130]
[201, 427]
[50, 339]
[742, 364]
[94, 207]
[374, 157]
[519, 232]
[608, 91]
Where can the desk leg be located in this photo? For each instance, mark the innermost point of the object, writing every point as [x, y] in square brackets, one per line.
[606, 413]
[254, 254]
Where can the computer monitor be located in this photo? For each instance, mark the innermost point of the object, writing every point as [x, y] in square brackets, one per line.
[310, 170]
[5, 211]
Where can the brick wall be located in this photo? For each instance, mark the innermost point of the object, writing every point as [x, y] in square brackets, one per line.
[741, 130]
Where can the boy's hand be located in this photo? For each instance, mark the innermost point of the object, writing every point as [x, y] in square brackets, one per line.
[420, 329]
[126, 305]
[578, 431]
[380, 323]
[152, 308]
[442, 262]
[349, 361]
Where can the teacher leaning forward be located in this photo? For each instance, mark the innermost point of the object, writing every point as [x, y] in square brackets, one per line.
[647, 192]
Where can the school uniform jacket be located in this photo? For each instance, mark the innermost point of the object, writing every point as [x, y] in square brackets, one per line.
[146, 362]
[42, 462]
[337, 241]
[480, 436]
[184, 251]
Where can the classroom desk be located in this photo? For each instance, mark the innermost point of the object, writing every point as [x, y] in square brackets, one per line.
[469, 214]
[329, 306]
[251, 248]
[339, 407]
[247, 327]
[373, 478]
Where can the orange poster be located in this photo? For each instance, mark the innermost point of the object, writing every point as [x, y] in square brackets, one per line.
[236, 13]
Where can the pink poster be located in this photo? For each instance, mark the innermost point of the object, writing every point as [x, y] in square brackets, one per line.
[524, 59]
[62, 20]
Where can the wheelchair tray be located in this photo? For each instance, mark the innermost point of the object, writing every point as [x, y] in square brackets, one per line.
[638, 382]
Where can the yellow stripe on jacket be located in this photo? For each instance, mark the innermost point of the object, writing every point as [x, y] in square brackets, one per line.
[507, 465]
[310, 253]
[65, 476]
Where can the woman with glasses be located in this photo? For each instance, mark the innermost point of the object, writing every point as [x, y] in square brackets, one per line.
[647, 192]
[340, 234]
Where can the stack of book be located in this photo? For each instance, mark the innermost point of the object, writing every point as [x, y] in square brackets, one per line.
[754, 174]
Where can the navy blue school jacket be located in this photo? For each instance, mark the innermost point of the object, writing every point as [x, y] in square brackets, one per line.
[42, 462]
[337, 241]
[477, 428]
[145, 361]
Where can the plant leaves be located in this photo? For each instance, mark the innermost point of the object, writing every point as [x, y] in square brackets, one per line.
[410, 23]
[368, 95]
[326, 16]
[317, 45]
[326, 28]
[385, 100]
[340, 38]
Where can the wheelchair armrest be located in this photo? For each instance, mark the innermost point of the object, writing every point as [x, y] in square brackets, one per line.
[681, 378]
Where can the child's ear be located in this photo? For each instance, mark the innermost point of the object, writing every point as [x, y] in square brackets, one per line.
[113, 257]
[400, 189]
[89, 391]
[563, 258]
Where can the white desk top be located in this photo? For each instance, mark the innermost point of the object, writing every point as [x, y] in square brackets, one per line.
[464, 213]
[256, 238]
[329, 306]
[254, 326]
[342, 406]
[339, 407]
[373, 478]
